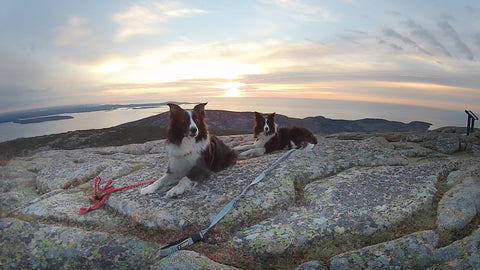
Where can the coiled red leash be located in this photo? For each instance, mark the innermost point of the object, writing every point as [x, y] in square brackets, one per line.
[101, 194]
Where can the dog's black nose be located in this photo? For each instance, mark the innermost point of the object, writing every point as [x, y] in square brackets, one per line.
[193, 130]
[267, 128]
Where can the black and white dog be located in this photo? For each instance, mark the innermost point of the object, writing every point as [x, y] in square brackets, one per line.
[268, 137]
[193, 153]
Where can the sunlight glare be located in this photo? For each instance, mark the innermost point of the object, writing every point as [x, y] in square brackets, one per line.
[232, 89]
[110, 65]
[233, 92]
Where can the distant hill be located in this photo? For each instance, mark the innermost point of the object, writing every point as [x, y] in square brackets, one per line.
[220, 123]
[244, 122]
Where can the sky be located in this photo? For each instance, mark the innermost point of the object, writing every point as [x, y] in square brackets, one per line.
[55, 53]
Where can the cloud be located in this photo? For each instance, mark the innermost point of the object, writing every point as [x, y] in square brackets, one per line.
[422, 33]
[327, 70]
[459, 44]
[28, 79]
[147, 19]
[395, 13]
[476, 38]
[78, 43]
[447, 17]
[74, 33]
[187, 59]
[396, 47]
[302, 11]
[20, 69]
[394, 34]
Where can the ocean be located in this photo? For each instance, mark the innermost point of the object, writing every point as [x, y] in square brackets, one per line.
[297, 108]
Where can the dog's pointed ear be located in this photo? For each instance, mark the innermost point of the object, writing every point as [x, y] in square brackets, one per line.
[174, 108]
[258, 115]
[272, 115]
[200, 108]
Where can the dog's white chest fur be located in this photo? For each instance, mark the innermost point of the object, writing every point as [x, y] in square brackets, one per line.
[184, 156]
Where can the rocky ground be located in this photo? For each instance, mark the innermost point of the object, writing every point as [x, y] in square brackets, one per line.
[357, 200]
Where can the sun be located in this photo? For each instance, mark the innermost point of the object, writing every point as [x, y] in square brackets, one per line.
[233, 92]
[232, 89]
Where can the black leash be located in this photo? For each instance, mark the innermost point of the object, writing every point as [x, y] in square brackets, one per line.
[200, 235]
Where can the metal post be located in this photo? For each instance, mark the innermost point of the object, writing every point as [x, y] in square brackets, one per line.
[471, 118]
[468, 125]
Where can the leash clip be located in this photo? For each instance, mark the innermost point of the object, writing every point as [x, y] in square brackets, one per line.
[174, 247]
[198, 236]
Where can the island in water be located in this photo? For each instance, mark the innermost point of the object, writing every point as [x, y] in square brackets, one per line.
[42, 119]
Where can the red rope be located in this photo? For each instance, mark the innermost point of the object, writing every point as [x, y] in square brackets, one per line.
[101, 194]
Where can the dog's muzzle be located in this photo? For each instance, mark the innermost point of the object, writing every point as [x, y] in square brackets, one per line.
[193, 132]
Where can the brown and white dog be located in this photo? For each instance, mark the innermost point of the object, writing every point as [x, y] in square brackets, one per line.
[193, 153]
[269, 138]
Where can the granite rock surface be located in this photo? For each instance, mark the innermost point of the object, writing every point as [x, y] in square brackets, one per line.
[350, 185]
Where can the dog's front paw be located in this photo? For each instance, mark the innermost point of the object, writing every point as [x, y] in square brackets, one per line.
[242, 156]
[309, 146]
[172, 193]
[240, 147]
[256, 152]
[184, 185]
[147, 190]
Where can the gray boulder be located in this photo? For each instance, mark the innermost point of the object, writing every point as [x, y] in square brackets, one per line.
[459, 205]
[189, 260]
[446, 143]
[17, 186]
[462, 254]
[354, 202]
[25, 245]
[410, 252]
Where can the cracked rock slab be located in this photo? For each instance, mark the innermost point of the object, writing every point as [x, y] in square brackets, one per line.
[63, 169]
[461, 254]
[446, 143]
[64, 206]
[414, 251]
[189, 260]
[17, 186]
[332, 156]
[459, 205]
[26, 245]
[359, 201]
